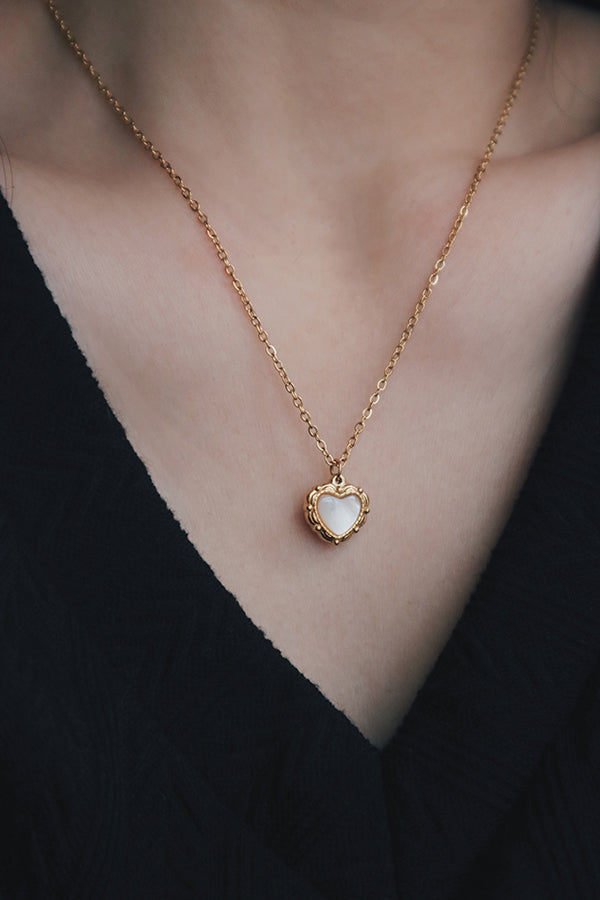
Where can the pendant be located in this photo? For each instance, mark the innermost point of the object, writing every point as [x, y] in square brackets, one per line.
[336, 511]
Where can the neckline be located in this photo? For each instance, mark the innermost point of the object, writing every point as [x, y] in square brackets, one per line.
[53, 311]
[169, 520]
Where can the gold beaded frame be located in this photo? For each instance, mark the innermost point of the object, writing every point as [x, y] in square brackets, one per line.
[337, 487]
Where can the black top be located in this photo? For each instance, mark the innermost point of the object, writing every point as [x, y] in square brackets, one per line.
[154, 744]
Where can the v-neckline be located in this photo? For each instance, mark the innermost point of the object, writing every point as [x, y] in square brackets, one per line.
[477, 728]
[54, 309]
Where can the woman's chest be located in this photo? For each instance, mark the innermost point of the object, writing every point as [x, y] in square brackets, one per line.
[442, 458]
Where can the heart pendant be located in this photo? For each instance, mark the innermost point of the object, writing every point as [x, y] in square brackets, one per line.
[336, 511]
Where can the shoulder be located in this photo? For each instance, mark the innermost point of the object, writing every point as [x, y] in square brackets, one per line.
[37, 92]
[22, 61]
[560, 118]
[571, 34]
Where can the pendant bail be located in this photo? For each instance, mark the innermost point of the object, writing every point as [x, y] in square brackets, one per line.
[335, 469]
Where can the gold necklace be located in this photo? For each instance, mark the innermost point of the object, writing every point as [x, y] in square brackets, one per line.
[336, 510]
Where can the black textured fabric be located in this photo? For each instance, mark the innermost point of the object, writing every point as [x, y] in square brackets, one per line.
[154, 744]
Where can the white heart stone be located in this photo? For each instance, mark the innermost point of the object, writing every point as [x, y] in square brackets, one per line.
[339, 513]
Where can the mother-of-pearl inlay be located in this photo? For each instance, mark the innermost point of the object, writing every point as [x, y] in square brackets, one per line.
[339, 514]
[337, 510]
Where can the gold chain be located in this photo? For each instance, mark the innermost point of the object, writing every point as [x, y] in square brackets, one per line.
[336, 464]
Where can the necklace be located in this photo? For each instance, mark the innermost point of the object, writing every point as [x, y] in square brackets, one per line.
[335, 510]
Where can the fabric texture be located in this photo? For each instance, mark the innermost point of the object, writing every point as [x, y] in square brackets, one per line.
[154, 744]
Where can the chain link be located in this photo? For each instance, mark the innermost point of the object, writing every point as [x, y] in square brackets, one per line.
[336, 464]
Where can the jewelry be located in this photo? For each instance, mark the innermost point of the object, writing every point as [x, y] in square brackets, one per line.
[336, 510]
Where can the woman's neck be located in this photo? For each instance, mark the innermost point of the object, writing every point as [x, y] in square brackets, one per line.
[325, 90]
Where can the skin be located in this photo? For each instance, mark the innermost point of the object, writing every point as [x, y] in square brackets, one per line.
[331, 144]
